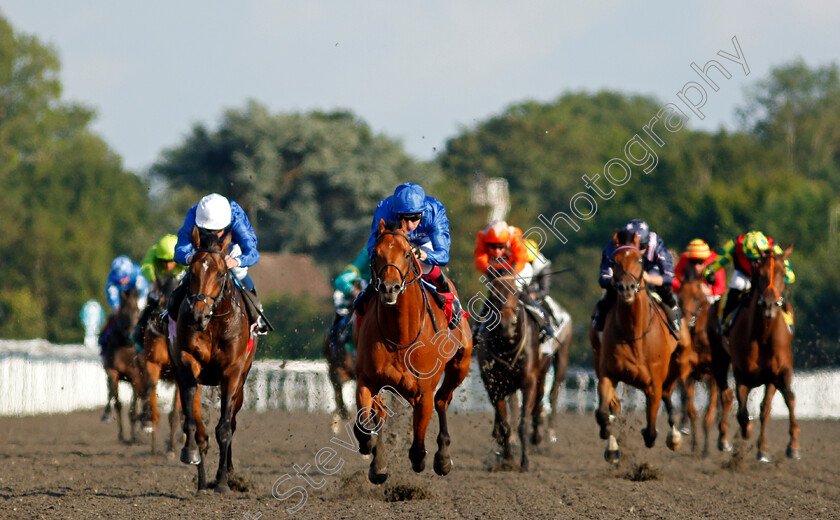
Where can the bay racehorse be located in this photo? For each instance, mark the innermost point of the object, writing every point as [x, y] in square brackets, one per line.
[509, 360]
[403, 348]
[759, 348]
[212, 347]
[120, 361]
[155, 366]
[636, 348]
[341, 367]
[695, 305]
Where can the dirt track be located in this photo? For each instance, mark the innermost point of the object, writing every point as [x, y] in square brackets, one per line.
[72, 466]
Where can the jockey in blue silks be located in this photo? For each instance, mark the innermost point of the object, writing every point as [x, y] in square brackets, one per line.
[124, 275]
[216, 213]
[428, 231]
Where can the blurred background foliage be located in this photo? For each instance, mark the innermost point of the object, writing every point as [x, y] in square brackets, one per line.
[310, 181]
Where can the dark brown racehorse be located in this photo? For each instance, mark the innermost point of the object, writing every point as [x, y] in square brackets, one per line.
[400, 352]
[212, 348]
[635, 348]
[341, 367]
[509, 360]
[695, 306]
[155, 366]
[759, 347]
[120, 361]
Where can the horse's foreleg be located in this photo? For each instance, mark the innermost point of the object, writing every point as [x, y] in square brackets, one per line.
[454, 373]
[106, 413]
[422, 415]
[378, 470]
[501, 428]
[743, 414]
[364, 417]
[606, 395]
[201, 440]
[652, 398]
[529, 390]
[709, 416]
[674, 438]
[792, 450]
[114, 383]
[340, 408]
[554, 395]
[174, 418]
[689, 413]
[537, 412]
[224, 433]
[769, 391]
[191, 405]
[720, 369]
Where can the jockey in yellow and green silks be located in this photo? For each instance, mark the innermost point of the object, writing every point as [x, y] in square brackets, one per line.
[160, 268]
[348, 285]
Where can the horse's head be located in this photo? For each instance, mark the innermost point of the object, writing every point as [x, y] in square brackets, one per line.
[769, 281]
[167, 285]
[692, 296]
[392, 262]
[209, 276]
[504, 296]
[128, 313]
[628, 276]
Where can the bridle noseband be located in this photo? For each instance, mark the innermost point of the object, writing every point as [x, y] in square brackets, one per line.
[637, 280]
[192, 298]
[779, 299]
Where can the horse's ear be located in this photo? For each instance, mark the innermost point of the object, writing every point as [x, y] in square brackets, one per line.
[196, 242]
[381, 226]
[225, 241]
[636, 240]
[787, 251]
[615, 239]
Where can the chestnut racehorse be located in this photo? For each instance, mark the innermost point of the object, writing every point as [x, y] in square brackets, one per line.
[694, 303]
[635, 348]
[759, 347]
[509, 360]
[156, 366]
[211, 347]
[400, 350]
[120, 361]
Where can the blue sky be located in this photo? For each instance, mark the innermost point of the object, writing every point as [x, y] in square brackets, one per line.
[418, 72]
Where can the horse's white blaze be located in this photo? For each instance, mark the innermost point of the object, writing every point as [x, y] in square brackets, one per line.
[612, 444]
[205, 265]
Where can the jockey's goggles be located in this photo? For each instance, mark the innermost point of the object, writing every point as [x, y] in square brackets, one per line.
[496, 246]
[411, 217]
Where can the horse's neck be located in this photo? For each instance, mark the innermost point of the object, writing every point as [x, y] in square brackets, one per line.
[633, 319]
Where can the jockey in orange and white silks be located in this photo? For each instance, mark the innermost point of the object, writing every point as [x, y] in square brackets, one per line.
[500, 251]
[428, 231]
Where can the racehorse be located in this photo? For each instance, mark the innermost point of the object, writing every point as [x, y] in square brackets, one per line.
[695, 306]
[401, 350]
[509, 359]
[120, 361]
[759, 347]
[636, 348]
[155, 366]
[341, 365]
[212, 347]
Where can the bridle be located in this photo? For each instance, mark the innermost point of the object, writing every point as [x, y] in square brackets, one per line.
[193, 298]
[638, 281]
[779, 299]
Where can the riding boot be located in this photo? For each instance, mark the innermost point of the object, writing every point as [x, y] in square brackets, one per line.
[255, 311]
[442, 287]
[362, 299]
[602, 308]
[140, 328]
[537, 311]
[732, 299]
[178, 295]
[671, 308]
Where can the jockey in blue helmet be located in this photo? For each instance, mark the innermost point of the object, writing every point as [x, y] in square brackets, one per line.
[124, 275]
[428, 231]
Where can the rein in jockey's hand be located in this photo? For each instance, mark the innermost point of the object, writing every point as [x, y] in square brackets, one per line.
[652, 279]
[420, 253]
[231, 262]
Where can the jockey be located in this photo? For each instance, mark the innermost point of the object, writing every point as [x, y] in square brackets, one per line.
[428, 231]
[348, 285]
[741, 251]
[158, 266]
[500, 251]
[124, 275]
[657, 271]
[215, 213]
[696, 257]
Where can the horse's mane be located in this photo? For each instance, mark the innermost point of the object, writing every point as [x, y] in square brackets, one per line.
[625, 237]
[392, 225]
[209, 240]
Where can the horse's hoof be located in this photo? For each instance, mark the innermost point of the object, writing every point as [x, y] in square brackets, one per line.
[685, 430]
[762, 457]
[170, 454]
[612, 456]
[223, 490]
[793, 453]
[650, 439]
[419, 465]
[673, 440]
[552, 436]
[148, 427]
[190, 456]
[443, 464]
[106, 418]
[724, 446]
[377, 478]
